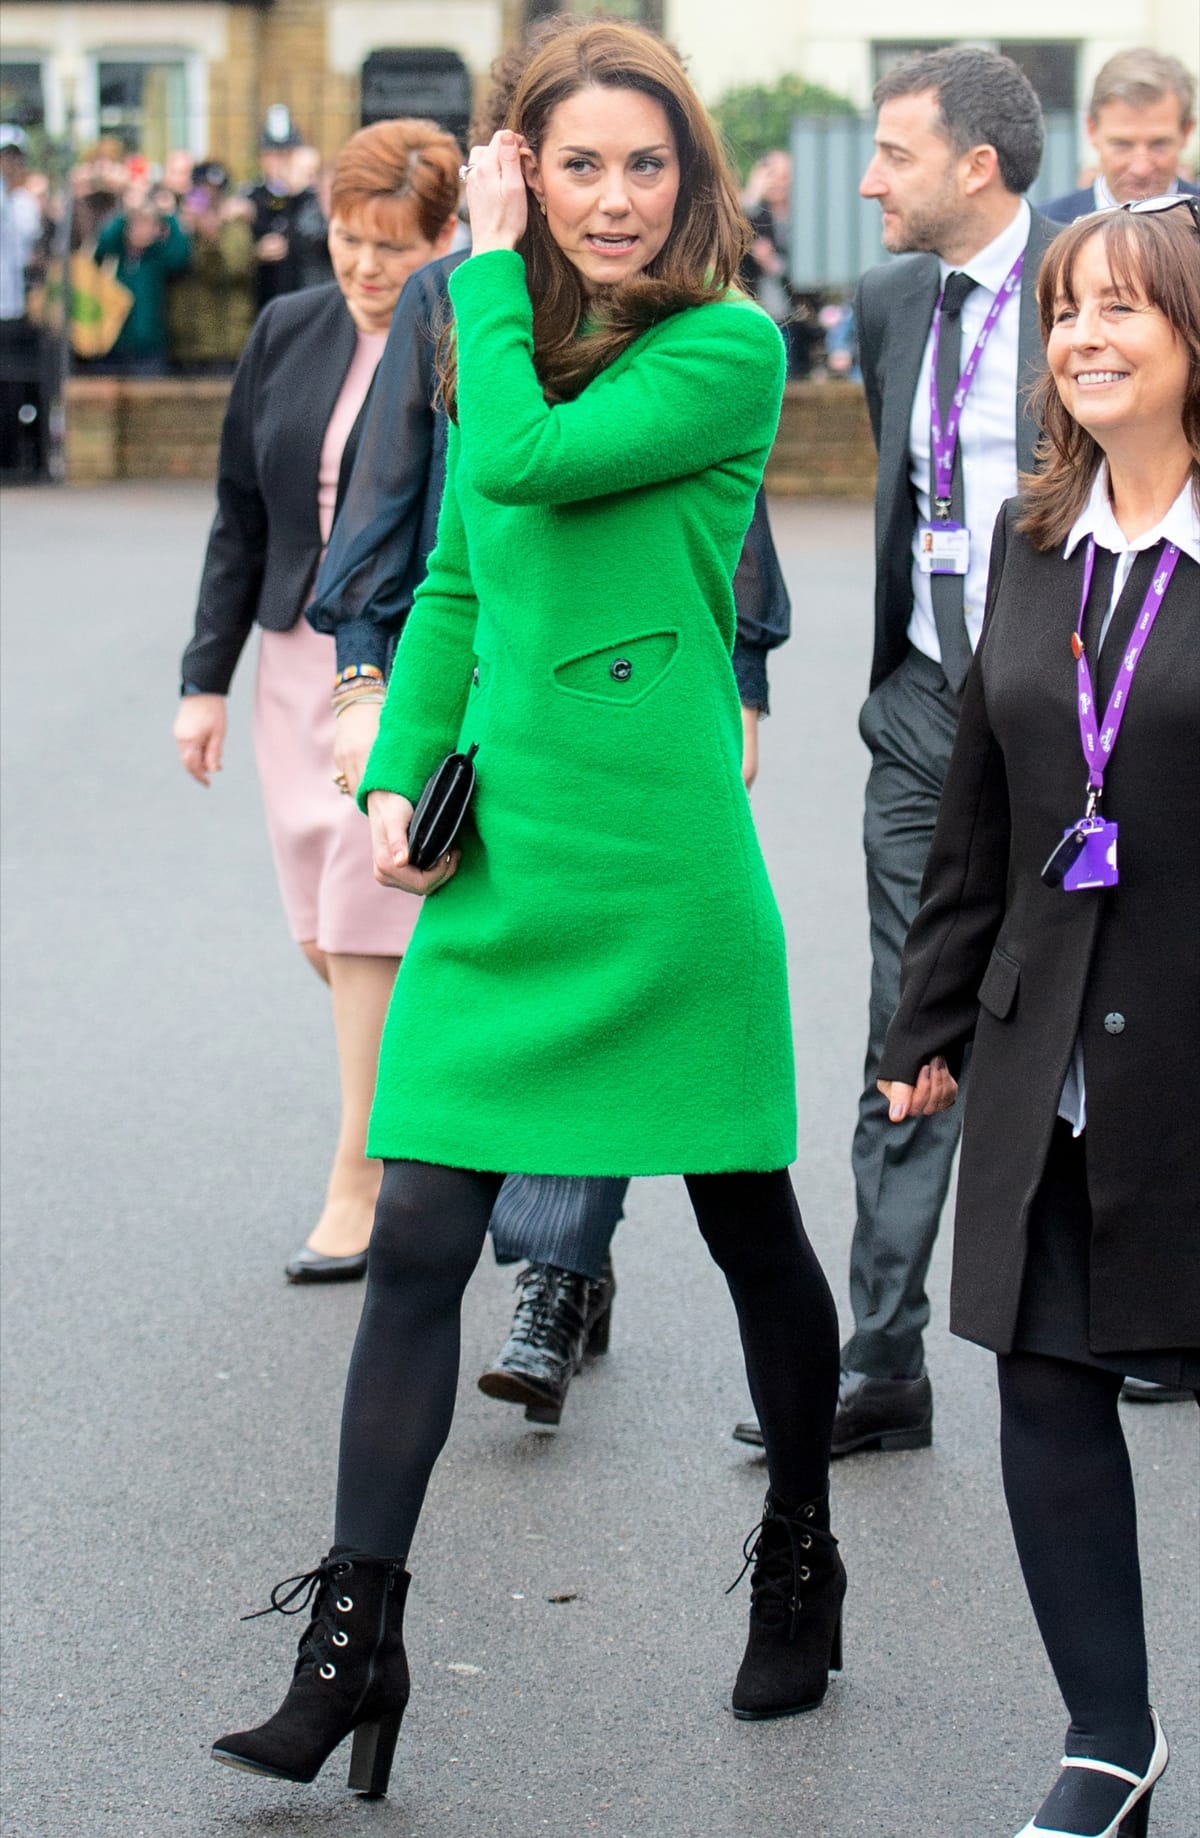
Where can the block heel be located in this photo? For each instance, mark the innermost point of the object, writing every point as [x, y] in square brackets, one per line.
[371, 1755]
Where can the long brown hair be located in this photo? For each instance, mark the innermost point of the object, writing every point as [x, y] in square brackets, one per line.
[406, 164]
[699, 260]
[1156, 256]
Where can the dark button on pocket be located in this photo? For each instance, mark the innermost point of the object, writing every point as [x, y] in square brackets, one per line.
[1114, 1023]
[620, 670]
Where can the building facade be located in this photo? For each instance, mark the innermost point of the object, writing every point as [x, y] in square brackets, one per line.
[200, 74]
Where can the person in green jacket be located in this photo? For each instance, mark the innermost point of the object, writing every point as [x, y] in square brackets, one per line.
[150, 249]
[597, 982]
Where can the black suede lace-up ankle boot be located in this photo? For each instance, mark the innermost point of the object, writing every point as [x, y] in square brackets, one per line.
[351, 1675]
[797, 1585]
[560, 1316]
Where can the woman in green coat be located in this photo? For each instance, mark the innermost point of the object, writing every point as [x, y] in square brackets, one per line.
[597, 982]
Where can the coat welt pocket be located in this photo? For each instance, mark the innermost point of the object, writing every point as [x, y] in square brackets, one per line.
[998, 990]
[619, 674]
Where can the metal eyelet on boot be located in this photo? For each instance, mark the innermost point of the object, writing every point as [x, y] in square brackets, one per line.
[344, 1604]
[806, 1543]
[328, 1671]
[341, 1639]
[805, 1574]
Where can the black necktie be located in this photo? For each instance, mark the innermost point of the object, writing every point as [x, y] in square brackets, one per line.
[946, 590]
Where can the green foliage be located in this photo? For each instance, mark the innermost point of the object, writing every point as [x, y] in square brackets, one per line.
[755, 118]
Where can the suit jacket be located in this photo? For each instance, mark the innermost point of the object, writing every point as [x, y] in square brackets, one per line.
[893, 309]
[387, 525]
[266, 536]
[1082, 203]
[1024, 968]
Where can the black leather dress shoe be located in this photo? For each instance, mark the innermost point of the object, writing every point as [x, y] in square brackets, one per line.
[1145, 1391]
[314, 1267]
[749, 1431]
[885, 1414]
[560, 1317]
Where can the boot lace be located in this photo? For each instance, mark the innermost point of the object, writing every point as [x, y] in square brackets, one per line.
[550, 1311]
[779, 1568]
[304, 1587]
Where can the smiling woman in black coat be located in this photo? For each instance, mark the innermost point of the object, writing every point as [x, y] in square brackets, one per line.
[1077, 1234]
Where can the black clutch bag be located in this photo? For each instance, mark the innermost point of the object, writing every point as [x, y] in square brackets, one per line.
[442, 807]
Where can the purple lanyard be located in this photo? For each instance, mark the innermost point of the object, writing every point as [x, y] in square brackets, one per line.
[943, 441]
[1099, 743]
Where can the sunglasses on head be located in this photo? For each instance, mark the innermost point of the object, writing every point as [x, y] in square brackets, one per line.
[1173, 201]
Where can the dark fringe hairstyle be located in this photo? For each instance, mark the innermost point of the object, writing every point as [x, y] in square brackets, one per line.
[1155, 255]
[697, 264]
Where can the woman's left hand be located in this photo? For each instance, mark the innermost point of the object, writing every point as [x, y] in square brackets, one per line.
[936, 1089]
[497, 197]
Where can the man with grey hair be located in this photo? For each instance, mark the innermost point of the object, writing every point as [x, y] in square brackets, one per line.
[950, 343]
[1139, 120]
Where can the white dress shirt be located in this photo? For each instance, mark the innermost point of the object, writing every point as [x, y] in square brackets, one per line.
[1181, 525]
[987, 432]
[1104, 200]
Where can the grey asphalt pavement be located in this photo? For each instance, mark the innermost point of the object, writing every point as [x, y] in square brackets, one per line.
[171, 1405]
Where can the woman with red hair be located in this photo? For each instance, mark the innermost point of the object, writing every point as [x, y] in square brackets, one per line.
[287, 447]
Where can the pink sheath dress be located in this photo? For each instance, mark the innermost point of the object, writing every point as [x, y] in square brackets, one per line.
[320, 840]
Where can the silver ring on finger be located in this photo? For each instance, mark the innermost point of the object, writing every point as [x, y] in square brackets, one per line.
[462, 173]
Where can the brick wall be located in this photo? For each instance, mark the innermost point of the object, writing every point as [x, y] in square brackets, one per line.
[170, 428]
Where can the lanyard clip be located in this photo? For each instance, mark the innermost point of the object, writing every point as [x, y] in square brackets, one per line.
[1095, 793]
[941, 509]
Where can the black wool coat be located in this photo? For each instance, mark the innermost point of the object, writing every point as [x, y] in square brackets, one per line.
[266, 537]
[996, 955]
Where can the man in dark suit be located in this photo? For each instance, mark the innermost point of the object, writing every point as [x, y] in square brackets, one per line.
[959, 142]
[1139, 121]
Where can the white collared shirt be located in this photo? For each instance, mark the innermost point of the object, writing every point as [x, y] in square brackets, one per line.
[1104, 200]
[987, 433]
[1181, 525]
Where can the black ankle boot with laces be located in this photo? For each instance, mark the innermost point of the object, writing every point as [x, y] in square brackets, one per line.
[797, 1585]
[351, 1675]
[560, 1316]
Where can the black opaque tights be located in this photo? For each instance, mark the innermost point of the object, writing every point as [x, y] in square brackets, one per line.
[429, 1230]
[1070, 1498]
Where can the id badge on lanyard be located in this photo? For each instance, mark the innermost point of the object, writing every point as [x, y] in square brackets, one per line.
[945, 546]
[1086, 856]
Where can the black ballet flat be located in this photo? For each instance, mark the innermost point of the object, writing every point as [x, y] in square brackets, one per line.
[314, 1267]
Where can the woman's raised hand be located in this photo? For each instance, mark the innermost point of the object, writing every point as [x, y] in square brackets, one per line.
[390, 816]
[200, 735]
[497, 197]
[936, 1089]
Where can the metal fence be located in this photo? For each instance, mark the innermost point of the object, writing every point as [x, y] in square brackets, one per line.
[834, 232]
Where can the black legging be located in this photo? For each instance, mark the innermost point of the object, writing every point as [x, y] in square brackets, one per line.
[429, 1230]
[1070, 1497]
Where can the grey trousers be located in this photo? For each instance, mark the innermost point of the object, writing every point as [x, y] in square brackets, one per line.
[557, 1219]
[901, 1171]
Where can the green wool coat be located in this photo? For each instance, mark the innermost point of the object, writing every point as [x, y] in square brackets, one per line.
[601, 989]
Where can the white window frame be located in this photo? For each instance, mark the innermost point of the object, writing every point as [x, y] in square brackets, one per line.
[195, 68]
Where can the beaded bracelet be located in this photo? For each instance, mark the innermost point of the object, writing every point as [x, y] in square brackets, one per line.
[348, 675]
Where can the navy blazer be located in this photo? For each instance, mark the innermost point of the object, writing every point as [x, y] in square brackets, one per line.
[266, 537]
[1082, 203]
[893, 310]
[387, 523]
